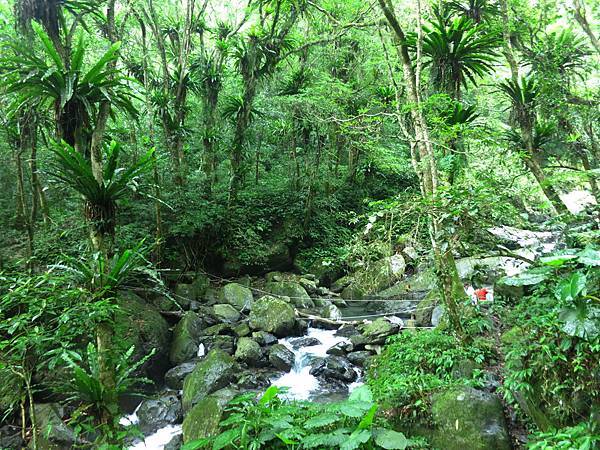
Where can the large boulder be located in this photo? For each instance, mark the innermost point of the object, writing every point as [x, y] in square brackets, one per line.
[467, 418]
[175, 376]
[379, 330]
[202, 421]
[226, 313]
[52, 433]
[296, 293]
[214, 372]
[186, 333]
[223, 343]
[155, 413]
[236, 295]
[334, 367]
[378, 276]
[281, 357]
[273, 315]
[248, 351]
[141, 325]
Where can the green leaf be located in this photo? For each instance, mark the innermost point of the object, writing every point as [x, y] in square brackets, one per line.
[582, 321]
[589, 257]
[390, 439]
[362, 394]
[195, 445]
[48, 45]
[355, 440]
[528, 278]
[569, 289]
[556, 260]
[321, 420]
[270, 394]
[367, 421]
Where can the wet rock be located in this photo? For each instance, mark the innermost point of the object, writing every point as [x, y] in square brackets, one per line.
[248, 352]
[145, 329]
[214, 372]
[337, 350]
[310, 286]
[296, 293]
[304, 342]
[358, 342]
[273, 315]
[373, 348]
[467, 418]
[175, 443]
[175, 376]
[241, 330]
[341, 283]
[186, 333]
[226, 313]
[379, 330]
[334, 367]
[359, 358]
[221, 328]
[184, 295]
[331, 312]
[238, 296]
[347, 331]
[300, 327]
[158, 412]
[53, 434]
[223, 343]
[10, 438]
[281, 357]
[263, 338]
[203, 419]
[258, 380]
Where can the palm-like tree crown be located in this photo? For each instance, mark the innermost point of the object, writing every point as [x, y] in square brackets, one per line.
[73, 93]
[457, 52]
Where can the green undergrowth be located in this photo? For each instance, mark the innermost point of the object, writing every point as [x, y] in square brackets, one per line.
[413, 365]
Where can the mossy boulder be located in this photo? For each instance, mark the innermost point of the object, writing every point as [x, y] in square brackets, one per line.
[273, 315]
[236, 295]
[248, 351]
[52, 433]
[214, 372]
[379, 330]
[468, 419]
[426, 306]
[226, 313]
[281, 357]
[202, 421]
[140, 324]
[184, 345]
[296, 293]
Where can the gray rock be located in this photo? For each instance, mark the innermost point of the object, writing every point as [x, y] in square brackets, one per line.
[263, 338]
[347, 331]
[214, 372]
[186, 333]
[294, 291]
[273, 315]
[174, 444]
[467, 418]
[226, 313]
[158, 412]
[436, 315]
[304, 342]
[224, 343]
[52, 432]
[248, 352]
[337, 350]
[334, 367]
[281, 357]
[238, 296]
[175, 376]
[359, 358]
[379, 330]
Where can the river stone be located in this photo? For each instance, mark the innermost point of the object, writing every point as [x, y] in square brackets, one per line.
[220, 328]
[184, 295]
[337, 350]
[297, 294]
[214, 372]
[202, 421]
[263, 338]
[226, 313]
[236, 295]
[273, 315]
[146, 329]
[241, 330]
[53, 434]
[467, 418]
[10, 437]
[257, 380]
[175, 443]
[224, 343]
[331, 312]
[359, 358]
[175, 376]
[158, 412]
[248, 351]
[341, 283]
[304, 342]
[379, 330]
[281, 357]
[334, 367]
[347, 331]
[184, 345]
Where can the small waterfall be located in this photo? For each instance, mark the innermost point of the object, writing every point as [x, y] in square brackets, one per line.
[300, 383]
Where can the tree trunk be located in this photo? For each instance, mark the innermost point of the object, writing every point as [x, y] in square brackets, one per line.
[549, 191]
[581, 18]
[451, 288]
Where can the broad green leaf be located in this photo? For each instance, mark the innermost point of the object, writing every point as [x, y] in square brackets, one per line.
[582, 321]
[528, 278]
[367, 421]
[269, 395]
[321, 420]
[195, 445]
[556, 260]
[390, 439]
[572, 287]
[589, 257]
[362, 394]
[355, 440]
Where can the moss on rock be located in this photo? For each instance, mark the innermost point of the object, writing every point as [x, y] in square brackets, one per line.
[273, 315]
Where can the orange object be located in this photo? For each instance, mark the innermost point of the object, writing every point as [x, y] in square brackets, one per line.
[481, 294]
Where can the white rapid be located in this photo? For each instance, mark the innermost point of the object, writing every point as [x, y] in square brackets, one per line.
[155, 441]
[300, 383]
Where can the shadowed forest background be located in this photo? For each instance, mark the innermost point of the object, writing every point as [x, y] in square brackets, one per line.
[276, 221]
